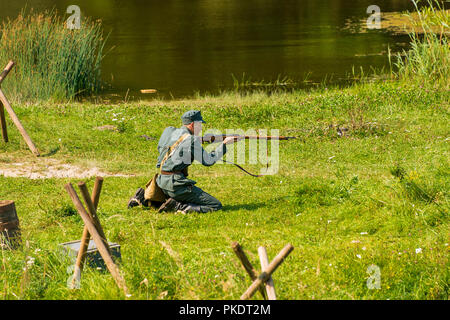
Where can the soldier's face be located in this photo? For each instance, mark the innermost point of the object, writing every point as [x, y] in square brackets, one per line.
[197, 128]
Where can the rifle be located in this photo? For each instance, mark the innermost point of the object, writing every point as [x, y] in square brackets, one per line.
[214, 138]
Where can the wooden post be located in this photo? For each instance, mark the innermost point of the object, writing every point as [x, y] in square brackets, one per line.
[4, 73]
[96, 192]
[7, 69]
[2, 111]
[12, 114]
[112, 267]
[247, 265]
[3, 123]
[18, 124]
[270, 287]
[86, 236]
[266, 273]
[92, 212]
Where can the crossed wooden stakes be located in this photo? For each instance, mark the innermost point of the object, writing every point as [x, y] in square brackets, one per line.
[92, 227]
[264, 279]
[4, 103]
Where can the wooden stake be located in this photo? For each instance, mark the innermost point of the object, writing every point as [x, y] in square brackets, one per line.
[3, 123]
[247, 265]
[86, 236]
[7, 69]
[270, 288]
[3, 75]
[92, 212]
[112, 267]
[266, 273]
[18, 124]
[96, 192]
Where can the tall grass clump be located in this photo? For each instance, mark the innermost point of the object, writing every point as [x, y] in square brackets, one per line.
[52, 61]
[429, 56]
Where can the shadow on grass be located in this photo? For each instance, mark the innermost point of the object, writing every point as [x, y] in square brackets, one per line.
[245, 206]
[51, 152]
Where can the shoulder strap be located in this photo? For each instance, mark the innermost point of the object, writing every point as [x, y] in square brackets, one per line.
[172, 148]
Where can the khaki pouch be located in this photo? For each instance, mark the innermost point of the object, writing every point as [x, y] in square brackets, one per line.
[153, 192]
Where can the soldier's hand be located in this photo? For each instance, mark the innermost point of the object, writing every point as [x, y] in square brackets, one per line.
[229, 140]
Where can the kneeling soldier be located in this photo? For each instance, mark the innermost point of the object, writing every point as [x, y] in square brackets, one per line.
[177, 148]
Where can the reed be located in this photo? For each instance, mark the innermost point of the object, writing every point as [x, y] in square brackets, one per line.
[428, 59]
[247, 82]
[53, 62]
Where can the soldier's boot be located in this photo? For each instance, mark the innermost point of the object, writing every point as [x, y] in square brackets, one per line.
[190, 207]
[138, 199]
[170, 205]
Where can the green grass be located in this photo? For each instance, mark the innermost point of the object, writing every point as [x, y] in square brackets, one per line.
[374, 195]
[52, 62]
[365, 183]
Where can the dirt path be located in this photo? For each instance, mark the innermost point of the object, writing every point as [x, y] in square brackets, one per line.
[49, 168]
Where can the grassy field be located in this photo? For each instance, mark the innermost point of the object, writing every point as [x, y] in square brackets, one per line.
[378, 194]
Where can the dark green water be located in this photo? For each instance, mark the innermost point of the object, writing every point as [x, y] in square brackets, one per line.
[180, 47]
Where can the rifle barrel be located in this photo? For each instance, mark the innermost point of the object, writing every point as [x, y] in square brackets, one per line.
[269, 137]
[217, 138]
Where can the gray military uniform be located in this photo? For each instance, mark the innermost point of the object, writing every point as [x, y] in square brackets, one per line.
[177, 185]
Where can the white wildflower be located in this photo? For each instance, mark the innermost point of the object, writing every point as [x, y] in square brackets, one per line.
[359, 256]
[30, 261]
[418, 250]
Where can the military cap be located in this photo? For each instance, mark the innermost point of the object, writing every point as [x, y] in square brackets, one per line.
[191, 116]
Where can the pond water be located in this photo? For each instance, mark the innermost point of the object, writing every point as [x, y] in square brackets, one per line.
[181, 47]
